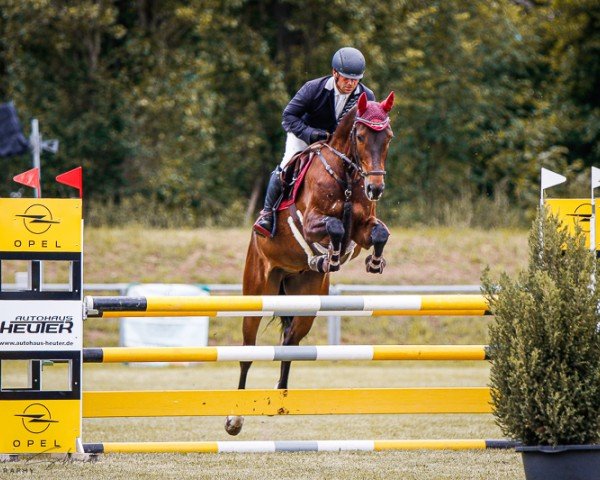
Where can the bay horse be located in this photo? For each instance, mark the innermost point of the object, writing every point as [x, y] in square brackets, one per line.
[331, 219]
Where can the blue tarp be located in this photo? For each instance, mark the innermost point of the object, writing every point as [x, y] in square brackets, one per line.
[12, 140]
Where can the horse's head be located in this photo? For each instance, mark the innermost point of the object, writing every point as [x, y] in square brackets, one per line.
[371, 135]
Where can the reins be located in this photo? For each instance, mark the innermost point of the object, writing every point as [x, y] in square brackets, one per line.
[346, 184]
[351, 163]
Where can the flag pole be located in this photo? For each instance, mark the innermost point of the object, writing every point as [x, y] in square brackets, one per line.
[593, 219]
[548, 179]
[542, 189]
[36, 150]
[594, 184]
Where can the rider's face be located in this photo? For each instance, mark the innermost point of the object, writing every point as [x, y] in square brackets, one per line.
[343, 84]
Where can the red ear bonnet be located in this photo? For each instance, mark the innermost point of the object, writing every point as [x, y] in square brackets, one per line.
[374, 114]
[362, 104]
[388, 103]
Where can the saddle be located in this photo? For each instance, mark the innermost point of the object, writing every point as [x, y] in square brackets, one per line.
[293, 175]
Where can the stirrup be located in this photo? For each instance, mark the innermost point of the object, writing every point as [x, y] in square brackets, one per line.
[262, 230]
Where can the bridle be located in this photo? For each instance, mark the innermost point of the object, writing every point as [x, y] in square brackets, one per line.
[377, 126]
[354, 162]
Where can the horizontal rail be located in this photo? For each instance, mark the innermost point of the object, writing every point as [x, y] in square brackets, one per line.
[257, 313]
[405, 289]
[295, 446]
[291, 353]
[288, 305]
[286, 402]
[236, 288]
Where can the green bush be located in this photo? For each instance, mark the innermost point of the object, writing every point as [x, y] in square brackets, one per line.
[545, 341]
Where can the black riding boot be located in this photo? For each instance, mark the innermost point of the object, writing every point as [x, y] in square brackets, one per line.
[264, 223]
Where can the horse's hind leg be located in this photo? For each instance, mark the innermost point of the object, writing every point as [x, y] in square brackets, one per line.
[296, 328]
[234, 423]
[257, 281]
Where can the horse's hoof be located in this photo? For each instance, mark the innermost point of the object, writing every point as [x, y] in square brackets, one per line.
[375, 266]
[319, 264]
[233, 424]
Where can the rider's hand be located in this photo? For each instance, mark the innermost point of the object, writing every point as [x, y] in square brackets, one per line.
[318, 135]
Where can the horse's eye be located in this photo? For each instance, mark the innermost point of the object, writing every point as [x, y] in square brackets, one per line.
[360, 138]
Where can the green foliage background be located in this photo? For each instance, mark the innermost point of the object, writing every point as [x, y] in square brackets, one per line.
[177, 104]
[545, 342]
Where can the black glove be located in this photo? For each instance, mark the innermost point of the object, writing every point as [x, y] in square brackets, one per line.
[318, 135]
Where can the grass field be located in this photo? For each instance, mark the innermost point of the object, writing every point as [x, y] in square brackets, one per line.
[423, 256]
[415, 257]
[322, 465]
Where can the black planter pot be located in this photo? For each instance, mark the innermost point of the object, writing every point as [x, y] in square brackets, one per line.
[564, 462]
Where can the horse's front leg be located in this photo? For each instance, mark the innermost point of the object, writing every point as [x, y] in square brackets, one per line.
[335, 229]
[296, 328]
[375, 263]
[314, 231]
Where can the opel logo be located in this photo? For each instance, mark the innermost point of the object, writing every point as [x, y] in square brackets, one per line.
[38, 219]
[36, 418]
[582, 215]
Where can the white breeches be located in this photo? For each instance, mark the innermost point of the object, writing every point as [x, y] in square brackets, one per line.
[292, 145]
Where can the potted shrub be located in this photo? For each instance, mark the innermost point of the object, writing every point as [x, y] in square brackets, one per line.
[545, 349]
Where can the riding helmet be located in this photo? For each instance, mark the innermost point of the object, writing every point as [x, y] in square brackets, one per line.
[349, 62]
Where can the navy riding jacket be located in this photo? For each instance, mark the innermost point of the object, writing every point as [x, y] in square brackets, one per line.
[313, 108]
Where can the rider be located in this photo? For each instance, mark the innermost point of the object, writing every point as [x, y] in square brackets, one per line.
[312, 116]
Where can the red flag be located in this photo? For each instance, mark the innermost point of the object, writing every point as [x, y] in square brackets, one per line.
[72, 178]
[31, 178]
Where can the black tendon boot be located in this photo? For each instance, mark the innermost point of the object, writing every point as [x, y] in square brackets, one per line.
[264, 223]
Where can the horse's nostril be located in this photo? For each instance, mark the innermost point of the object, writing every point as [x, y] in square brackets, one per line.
[376, 191]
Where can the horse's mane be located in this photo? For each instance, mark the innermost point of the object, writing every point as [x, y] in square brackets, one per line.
[342, 132]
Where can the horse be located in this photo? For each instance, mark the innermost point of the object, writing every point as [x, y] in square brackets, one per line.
[331, 219]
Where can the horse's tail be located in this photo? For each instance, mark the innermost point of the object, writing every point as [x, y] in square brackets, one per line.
[286, 320]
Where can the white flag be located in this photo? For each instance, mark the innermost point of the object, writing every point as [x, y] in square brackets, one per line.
[595, 177]
[550, 179]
